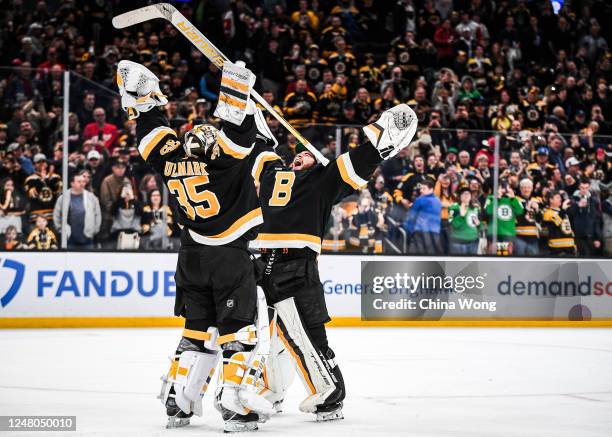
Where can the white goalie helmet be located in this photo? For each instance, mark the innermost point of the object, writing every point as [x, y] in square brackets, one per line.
[199, 139]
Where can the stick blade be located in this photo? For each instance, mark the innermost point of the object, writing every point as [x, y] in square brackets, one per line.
[137, 16]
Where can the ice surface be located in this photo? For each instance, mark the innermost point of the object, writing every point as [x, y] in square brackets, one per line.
[401, 382]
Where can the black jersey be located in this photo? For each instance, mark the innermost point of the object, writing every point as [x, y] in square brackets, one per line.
[297, 205]
[217, 196]
[409, 186]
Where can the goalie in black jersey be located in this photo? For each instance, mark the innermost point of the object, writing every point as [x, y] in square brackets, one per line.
[209, 174]
[296, 202]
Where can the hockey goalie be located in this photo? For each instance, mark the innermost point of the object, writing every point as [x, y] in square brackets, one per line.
[209, 174]
[297, 200]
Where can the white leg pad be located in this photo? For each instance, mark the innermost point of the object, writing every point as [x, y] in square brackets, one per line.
[313, 372]
[280, 371]
[195, 371]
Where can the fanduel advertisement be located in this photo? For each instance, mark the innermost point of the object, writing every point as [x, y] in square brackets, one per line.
[86, 284]
[486, 289]
[372, 288]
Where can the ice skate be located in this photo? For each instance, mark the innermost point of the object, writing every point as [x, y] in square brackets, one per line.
[234, 422]
[176, 417]
[329, 413]
[278, 406]
[179, 420]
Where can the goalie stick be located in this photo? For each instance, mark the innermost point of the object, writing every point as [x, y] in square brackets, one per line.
[178, 20]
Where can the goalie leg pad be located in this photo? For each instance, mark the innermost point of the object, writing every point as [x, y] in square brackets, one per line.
[235, 369]
[194, 373]
[279, 373]
[191, 370]
[318, 372]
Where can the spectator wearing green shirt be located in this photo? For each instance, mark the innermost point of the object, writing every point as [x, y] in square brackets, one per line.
[464, 221]
[468, 91]
[508, 208]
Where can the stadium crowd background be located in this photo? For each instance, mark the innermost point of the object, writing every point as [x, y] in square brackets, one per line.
[519, 75]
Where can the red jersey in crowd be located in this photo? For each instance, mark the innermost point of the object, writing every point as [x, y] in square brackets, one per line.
[107, 134]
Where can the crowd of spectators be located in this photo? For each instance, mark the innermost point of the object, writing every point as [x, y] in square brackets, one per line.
[513, 75]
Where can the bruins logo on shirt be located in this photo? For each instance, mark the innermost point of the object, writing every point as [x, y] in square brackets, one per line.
[504, 212]
[170, 146]
[46, 195]
[533, 114]
[314, 74]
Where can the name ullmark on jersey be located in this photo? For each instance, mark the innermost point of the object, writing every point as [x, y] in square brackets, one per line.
[185, 168]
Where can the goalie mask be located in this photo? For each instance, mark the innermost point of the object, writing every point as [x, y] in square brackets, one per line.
[200, 139]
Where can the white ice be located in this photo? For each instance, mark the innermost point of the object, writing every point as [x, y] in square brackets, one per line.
[413, 382]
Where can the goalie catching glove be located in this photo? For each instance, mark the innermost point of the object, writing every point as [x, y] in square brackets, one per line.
[139, 89]
[392, 131]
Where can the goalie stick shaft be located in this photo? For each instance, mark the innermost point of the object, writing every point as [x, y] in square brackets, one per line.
[208, 49]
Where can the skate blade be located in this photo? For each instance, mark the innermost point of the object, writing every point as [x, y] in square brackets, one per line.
[235, 426]
[330, 415]
[177, 422]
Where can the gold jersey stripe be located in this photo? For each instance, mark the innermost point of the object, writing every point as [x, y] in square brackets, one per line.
[348, 173]
[302, 237]
[230, 148]
[561, 242]
[260, 161]
[238, 223]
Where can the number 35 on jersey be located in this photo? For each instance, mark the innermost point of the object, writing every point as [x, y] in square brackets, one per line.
[186, 181]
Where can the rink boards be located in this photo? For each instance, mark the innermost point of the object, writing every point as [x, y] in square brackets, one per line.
[138, 289]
